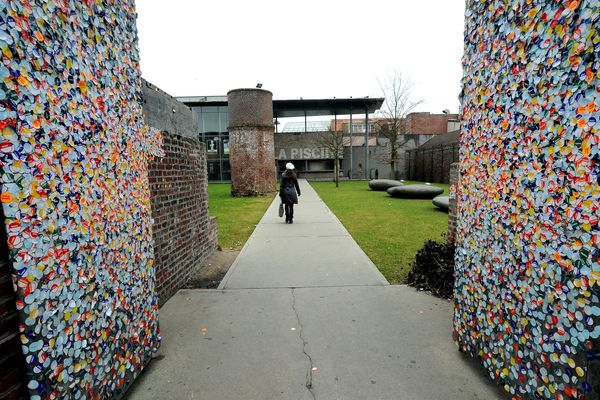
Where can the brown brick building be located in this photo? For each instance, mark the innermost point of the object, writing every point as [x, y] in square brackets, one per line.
[416, 123]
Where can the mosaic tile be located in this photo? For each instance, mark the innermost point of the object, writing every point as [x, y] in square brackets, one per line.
[74, 151]
[527, 295]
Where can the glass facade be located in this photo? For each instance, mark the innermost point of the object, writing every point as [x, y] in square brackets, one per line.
[212, 131]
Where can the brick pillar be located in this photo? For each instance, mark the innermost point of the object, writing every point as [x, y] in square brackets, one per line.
[452, 203]
[251, 141]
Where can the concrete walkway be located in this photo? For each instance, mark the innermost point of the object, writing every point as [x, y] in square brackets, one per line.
[304, 314]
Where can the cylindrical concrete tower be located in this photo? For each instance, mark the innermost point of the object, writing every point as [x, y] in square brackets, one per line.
[251, 141]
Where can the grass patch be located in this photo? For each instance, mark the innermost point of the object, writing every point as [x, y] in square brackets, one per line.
[237, 216]
[389, 230]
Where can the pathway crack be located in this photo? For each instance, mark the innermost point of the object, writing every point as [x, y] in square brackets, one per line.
[309, 373]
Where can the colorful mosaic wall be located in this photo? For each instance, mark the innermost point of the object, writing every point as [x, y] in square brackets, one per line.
[75, 193]
[528, 272]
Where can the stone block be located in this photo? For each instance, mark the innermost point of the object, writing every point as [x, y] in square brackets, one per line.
[381, 185]
[415, 191]
[441, 202]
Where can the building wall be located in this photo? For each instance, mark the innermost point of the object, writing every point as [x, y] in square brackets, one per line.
[343, 125]
[417, 123]
[527, 299]
[184, 234]
[76, 197]
[420, 127]
[420, 123]
[305, 146]
[377, 164]
[310, 147]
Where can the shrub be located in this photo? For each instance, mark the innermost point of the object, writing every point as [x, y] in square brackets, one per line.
[433, 268]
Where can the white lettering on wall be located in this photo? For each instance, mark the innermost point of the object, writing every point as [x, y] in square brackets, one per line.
[320, 153]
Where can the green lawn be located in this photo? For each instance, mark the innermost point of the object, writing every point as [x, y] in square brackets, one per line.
[389, 230]
[237, 216]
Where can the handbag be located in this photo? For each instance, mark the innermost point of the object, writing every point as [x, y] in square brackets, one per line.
[281, 209]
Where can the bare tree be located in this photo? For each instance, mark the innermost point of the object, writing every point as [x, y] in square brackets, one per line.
[397, 90]
[333, 142]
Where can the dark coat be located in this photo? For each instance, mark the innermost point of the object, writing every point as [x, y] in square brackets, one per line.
[288, 187]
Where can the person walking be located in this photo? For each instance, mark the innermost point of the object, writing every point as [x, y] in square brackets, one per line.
[289, 190]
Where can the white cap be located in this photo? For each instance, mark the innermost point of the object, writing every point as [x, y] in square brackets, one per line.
[289, 166]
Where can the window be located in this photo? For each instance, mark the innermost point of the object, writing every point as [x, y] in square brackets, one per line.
[225, 141]
[212, 131]
[212, 145]
[320, 165]
[210, 122]
[223, 119]
[214, 171]
[226, 176]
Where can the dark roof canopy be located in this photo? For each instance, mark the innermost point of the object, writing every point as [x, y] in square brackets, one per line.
[300, 107]
[319, 107]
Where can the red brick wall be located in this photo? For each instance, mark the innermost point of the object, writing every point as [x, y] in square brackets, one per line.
[184, 234]
[426, 123]
[12, 375]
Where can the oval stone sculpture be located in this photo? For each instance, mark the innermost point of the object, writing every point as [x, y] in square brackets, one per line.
[381, 185]
[441, 202]
[415, 191]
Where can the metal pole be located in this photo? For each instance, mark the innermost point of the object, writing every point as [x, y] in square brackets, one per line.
[335, 122]
[335, 133]
[442, 168]
[305, 128]
[422, 175]
[350, 129]
[432, 175]
[366, 144]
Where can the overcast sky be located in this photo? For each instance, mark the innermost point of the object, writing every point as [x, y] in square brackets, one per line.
[308, 48]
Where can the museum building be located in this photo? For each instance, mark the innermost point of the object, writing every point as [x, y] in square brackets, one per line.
[302, 146]
[301, 142]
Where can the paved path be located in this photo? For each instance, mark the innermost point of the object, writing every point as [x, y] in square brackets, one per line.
[316, 250]
[304, 314]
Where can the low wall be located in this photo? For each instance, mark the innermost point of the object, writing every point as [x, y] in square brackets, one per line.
[184, 235]
[431, 164]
